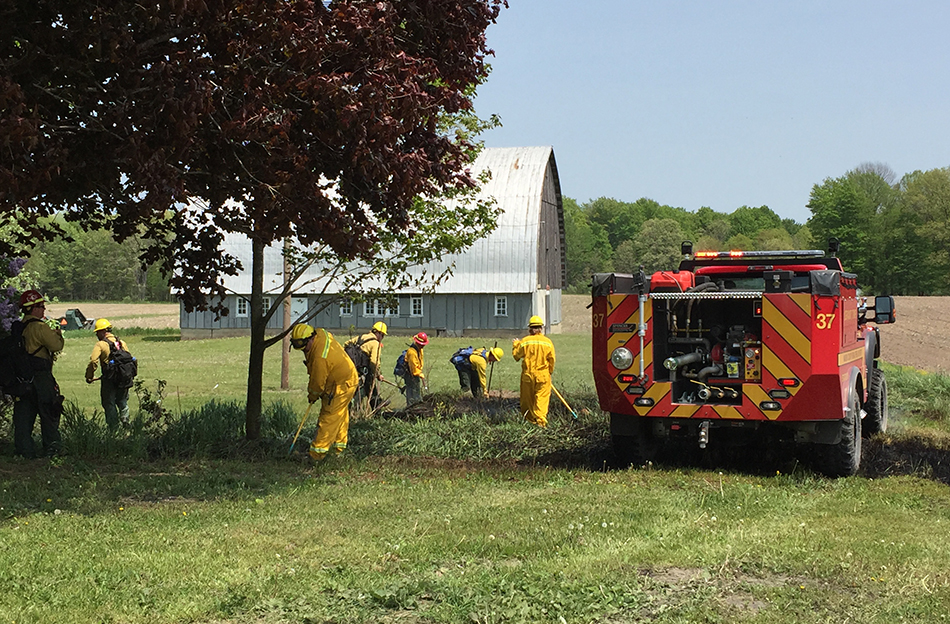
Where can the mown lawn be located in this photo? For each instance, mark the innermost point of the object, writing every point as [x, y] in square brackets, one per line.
[464, 515]
[197, 371]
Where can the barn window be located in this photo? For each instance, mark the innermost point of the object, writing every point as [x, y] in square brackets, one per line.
[377, 307]
[266, 304]
[501, 306]
[346, 307]
[415, 305]
[241, 306]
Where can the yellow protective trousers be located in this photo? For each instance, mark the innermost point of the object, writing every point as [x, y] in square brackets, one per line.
[334, 421]
[535, 397]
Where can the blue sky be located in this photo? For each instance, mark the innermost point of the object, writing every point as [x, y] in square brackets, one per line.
[721, 104]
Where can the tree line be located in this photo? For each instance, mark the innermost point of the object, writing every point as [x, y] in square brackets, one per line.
[92, 266]
[893, 232]
[894, 236]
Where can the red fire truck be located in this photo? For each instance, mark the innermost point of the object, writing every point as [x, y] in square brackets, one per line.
[736, 344]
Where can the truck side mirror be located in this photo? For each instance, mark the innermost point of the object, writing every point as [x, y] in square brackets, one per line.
[884, 310]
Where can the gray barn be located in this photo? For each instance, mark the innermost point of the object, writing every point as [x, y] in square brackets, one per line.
[515, 272]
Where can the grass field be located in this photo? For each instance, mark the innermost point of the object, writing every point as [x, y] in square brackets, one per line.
[200, 370]
[466, 516]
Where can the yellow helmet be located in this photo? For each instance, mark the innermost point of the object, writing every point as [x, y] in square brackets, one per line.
[535, 321]
[497, 352]
[300, 334]
[380, 327]
[103, 324]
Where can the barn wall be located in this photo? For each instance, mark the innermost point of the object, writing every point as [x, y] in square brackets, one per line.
[449, 315]
[551, 252]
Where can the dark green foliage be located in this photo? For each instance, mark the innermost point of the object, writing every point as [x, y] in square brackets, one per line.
[92, 266]
[893, 235]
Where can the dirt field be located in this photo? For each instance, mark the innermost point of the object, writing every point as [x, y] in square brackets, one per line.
[917, 339]
[152, 315]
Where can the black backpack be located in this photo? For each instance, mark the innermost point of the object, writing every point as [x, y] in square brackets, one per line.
[121, 367]
[360, 358]
[17, 367]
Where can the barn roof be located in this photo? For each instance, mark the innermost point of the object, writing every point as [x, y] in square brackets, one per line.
[506, 261]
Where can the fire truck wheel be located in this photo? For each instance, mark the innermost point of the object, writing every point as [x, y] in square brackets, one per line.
[876, 419]
[843, 458]
[636, 449]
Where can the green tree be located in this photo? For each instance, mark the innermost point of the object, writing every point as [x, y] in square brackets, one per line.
[657, 247]
[749, 221]
[91, 265]
[741, 242]
[774, 239]
[921, 226]
[586, 246]
[840, 209]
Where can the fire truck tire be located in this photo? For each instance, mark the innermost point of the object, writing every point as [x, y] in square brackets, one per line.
[637, 448]
[842, 459]
[876, 419]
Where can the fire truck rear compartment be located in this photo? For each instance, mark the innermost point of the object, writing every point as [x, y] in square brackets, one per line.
[708, 347]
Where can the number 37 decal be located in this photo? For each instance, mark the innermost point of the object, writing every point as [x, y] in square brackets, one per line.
[824, 321]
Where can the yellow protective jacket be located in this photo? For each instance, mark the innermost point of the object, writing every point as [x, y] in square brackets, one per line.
[100, 354]
[479, 362]
[329, 367]
[536, 354]
[371, 347]
[40, 340]
[415, 361]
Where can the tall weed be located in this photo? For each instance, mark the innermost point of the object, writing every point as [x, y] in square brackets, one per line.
[918, 397]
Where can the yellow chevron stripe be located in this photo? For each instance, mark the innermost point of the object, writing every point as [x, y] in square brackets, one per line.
[684, 411]
[802, 301]
[787, 330]
[727, 412]
[757, 394]
[777, 368]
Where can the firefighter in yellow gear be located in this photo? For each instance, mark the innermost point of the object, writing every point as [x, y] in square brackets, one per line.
[371, 343]
[479, 361]
[415, 360]
[536, 353]
[115, 400]
[333, 380]
[41, 397]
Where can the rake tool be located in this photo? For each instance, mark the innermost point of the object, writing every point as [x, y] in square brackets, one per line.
[490, 373]
[299, 429]
[573, 413]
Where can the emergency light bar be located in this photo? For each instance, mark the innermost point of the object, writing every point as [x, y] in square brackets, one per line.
[799, 253]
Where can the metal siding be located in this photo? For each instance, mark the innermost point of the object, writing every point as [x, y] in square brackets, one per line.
[524, 253]
[506, 260]
[555, 306]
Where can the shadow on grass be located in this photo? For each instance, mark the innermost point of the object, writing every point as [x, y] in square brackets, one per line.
[168, 338]
[94, 482]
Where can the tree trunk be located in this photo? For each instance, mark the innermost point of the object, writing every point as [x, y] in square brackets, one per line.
[255, 364]
[285, 345]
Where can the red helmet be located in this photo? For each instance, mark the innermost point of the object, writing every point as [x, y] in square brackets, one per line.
[30, 298]
[421, 339]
